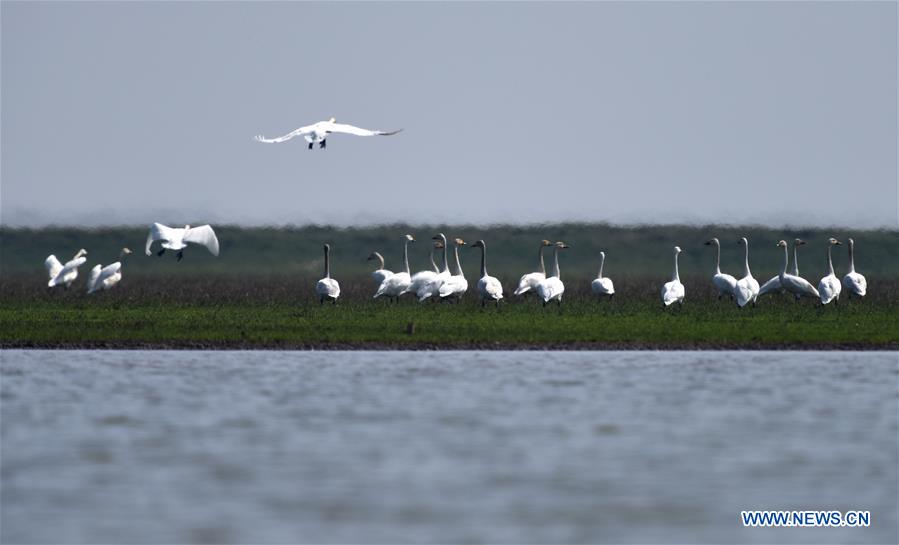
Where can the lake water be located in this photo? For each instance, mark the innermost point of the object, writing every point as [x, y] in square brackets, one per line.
[467, 447]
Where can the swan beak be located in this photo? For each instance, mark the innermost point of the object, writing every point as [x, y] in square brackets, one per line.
[838, 243]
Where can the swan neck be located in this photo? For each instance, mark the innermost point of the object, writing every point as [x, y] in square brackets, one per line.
[851, 257]
[434, 263]
[676, 275]
[746, 261]
[327, 263]
[786, 262]
[717, 258]
[483, 261]
[556, 271]
[458, 265]
[829, 261]
[795, 260]
[541, 268]
[380, 261]
[406, 256]
[445, 257]
[602, 261]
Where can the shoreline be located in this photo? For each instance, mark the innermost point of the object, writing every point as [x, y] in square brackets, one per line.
[431, 347]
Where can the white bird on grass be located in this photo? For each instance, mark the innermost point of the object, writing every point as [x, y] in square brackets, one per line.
[319, 132]
[422, 279]
[529, 281]
[829, 287]
[178, 238]
[64, 275]
[854, 282]
[489, 288]
[380, 274]
[327, 287]
[432, 287]
[552, 288]
[724, 283]
[104, 278]
[673, 291]
[602, 285]
[795, 284]
[398, 283]
[454, 287]
[747, 288]
[773, 284]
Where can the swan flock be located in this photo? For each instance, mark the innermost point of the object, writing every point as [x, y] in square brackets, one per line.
[449, 283]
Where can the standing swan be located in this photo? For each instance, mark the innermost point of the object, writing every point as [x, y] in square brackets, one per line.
[64, 275]
[528, 282]
[829, 287]
[489, 288]
[327, 287]
[398, 284]
[552, 288]
[673, 292]
[380, 274]
[454, 287]
[747, 288]
[104, 278]
[854, 282]
[600, 285]
[794, 284]
[422, 279]
[725, 283]
[433, 286]
[773, 284]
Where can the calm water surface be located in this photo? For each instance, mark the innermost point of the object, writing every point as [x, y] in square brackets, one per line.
[523, 447]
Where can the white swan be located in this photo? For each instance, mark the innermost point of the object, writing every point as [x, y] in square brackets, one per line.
[380, 274]
[552, 288]
[327, 287]
[673, 292]
[602, 285]
[432, 288]
[454, 287]
[104, 278]
[773, 284]
[422, 279]
[64, 275]
[794, 284]
[177, 238]
[829, 287]
[318, 132]
[398, 283]
[747, 288]
[489, 288]
[854, 282]
[724, 283]
[529, 281]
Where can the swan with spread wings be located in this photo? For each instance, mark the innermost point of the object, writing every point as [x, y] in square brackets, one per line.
[319, 132]
[172, 238]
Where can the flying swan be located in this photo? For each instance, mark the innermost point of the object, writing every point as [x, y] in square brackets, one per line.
[318, 133]
[64, 275]
[104, 278]
[177, 239]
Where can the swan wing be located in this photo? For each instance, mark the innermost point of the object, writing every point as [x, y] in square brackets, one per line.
[672, 292]
[743, 292]
[856, 283]
[204, 236]
[53, 266]
[771, 286]
[328, 287]
[158, 231]
[302, 131]
[109, 271]
[358, 131]
[725, 283]
[528, 282]
[490, 288]
[93, 279]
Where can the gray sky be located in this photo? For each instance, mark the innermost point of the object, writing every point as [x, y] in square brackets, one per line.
[772, 113]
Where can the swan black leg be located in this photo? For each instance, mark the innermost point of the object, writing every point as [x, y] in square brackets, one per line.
[180, 255]
[310, 145]
[160, 252]
[323, 144]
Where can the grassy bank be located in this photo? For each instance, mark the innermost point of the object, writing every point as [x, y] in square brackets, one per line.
[280, 312]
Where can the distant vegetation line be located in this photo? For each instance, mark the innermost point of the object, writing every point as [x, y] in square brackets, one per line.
[632, 251]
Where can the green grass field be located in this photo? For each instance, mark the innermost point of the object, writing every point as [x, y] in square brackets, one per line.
[281, 312]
